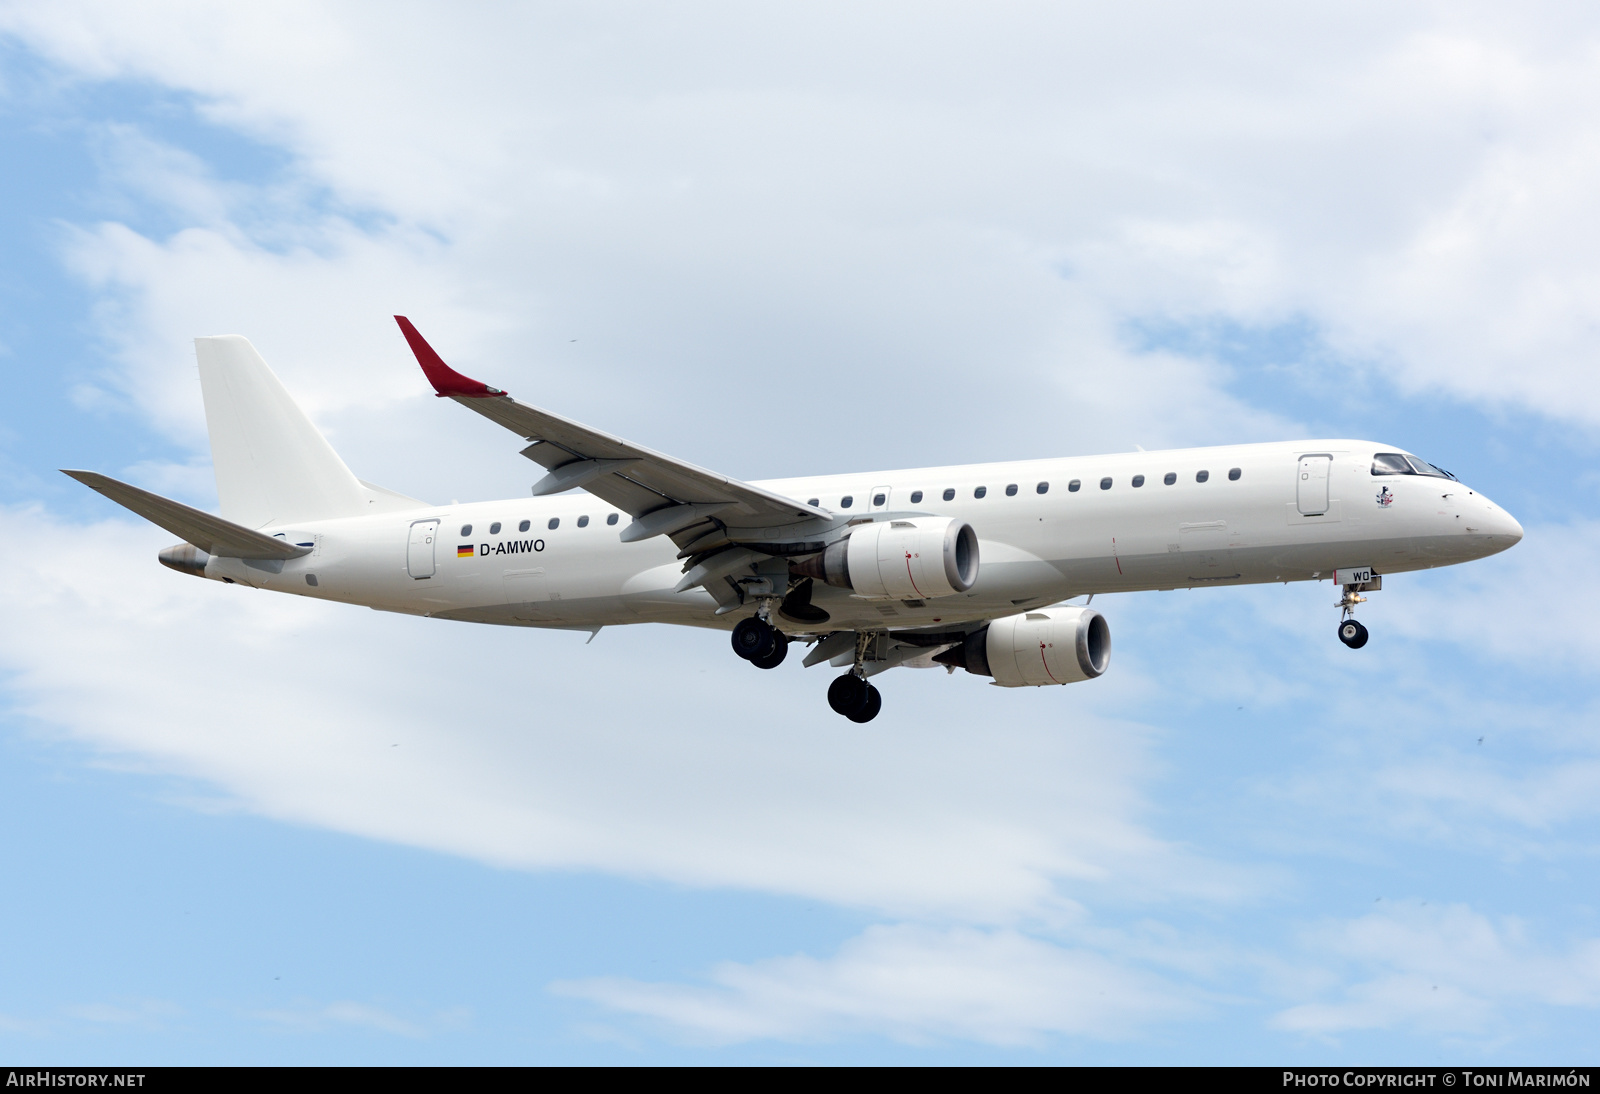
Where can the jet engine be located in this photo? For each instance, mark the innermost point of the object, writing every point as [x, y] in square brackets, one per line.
[899, 560]
[1057, 646]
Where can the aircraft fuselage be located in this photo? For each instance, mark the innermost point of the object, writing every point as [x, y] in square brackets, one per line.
[1230, 515]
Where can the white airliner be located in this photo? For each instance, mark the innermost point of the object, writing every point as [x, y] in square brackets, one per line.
[965, 567]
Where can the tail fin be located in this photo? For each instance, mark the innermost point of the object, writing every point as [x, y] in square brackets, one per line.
[272, 465]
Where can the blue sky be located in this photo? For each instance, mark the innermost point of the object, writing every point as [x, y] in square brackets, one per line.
[244, 830]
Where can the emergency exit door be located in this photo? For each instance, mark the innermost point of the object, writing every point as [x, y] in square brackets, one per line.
[1311, 485]
[419, 552]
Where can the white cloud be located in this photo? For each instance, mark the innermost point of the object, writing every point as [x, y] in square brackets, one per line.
[1531, 608]
[329, 333]
[1441, 969]
[738, 198]
[320, 1017]
[854, 240]
[513, 747]
[910, 983]
[146, 1014]
[22, 1027]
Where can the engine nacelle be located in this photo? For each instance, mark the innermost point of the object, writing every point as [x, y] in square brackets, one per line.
[1057, 646]
[900, 560]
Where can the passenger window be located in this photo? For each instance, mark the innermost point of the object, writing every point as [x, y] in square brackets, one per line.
[494, 529]
[583, 522]
[555, 522]
[1138, 480]
[466, 529]
[1072, 487]
[1011, 491]
[1201, 476]
[523, 527]
[846, 502]
[611, 518]
[1233, 474]
[813, 501]
[1105, 484]
[950, 494]
[879, 499]
[1391, 463]
[1043, 488]
[980, 491]
[1170, 477]
[916, 497]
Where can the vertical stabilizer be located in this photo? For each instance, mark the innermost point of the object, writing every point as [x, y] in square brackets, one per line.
[272, 465]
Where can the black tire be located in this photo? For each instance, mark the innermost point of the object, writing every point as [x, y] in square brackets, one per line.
[848, 695]
[780, 650]
[1352, 634]
[870, 709]
[753, 638]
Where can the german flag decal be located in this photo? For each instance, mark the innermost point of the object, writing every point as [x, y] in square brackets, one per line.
[465, 551]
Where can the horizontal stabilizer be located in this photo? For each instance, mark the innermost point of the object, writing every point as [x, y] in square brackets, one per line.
[213, 535]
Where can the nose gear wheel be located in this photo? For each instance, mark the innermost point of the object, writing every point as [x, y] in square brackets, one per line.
[1352, 634]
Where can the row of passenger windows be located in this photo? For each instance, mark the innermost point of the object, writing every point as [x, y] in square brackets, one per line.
[949, 494]
[1170, 478]
[555, 522]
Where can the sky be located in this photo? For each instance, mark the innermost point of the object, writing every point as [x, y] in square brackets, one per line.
[779, 240]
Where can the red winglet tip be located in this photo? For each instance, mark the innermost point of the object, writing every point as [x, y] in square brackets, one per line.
[445, 380]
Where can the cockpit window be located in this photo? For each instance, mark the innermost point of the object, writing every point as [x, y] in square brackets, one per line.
[1428, 469]
[1393, 463]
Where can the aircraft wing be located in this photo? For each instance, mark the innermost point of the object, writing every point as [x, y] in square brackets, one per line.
[213, 535]
[665, 496]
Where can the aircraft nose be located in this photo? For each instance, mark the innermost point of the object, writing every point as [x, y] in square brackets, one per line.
[1500, 525]
[1508, 526]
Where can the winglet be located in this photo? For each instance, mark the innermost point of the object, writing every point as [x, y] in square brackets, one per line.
[445, 380]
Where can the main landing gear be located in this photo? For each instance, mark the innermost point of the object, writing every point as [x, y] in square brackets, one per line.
[760, 643]
[853, 697]
[850, 694]
[765, 646]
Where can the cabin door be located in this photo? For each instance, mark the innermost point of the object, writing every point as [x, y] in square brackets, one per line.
[419, 552]
[1311, 485]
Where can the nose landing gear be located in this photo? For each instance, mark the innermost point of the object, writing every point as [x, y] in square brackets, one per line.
[1352, 633]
